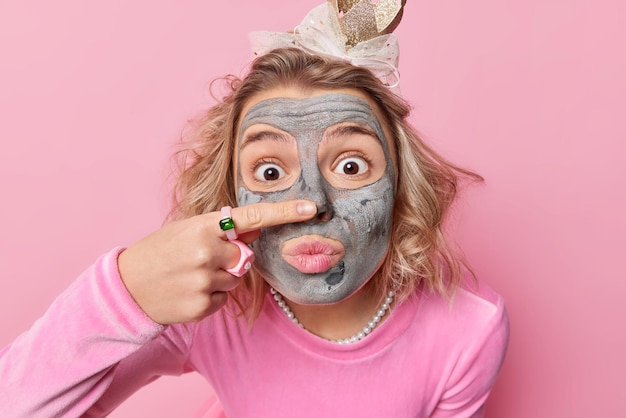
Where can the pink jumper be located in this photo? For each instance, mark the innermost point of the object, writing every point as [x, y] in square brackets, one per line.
[94, 347]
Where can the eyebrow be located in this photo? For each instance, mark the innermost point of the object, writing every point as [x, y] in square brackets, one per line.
[338, 131]
[263, 136]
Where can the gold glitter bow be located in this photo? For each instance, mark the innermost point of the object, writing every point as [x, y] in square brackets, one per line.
[356, 31]
[362, 20]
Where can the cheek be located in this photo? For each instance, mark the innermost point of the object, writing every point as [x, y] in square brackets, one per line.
[369, 220]
[368, 212]
[246, 197]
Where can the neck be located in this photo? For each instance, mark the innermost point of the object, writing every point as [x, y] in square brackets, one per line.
[340, 320]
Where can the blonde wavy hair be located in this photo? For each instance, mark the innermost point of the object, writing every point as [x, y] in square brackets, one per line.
[419, 257]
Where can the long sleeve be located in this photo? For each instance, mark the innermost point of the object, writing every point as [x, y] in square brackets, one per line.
[80, 353]
[475, 369]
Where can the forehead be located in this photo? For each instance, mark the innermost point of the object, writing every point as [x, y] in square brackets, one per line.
[292, 103]
[311, 113]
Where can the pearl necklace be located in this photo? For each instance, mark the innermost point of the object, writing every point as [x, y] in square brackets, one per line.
[367, 329]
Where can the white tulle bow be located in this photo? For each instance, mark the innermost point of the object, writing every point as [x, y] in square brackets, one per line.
[320, 34]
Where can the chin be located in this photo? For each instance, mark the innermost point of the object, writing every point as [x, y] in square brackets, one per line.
[319, 293]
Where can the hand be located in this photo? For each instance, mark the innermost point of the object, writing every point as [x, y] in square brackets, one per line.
[177, 273]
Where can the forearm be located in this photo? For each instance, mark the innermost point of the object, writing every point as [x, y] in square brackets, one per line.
[68, 359]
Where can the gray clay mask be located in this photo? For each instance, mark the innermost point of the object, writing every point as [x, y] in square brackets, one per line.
[329, 258]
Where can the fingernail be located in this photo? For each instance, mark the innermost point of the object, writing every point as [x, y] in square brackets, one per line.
[306, 208]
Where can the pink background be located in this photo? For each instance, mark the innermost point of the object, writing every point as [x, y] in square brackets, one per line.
[530, 94]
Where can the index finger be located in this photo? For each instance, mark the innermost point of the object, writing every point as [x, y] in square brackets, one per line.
[261, 215]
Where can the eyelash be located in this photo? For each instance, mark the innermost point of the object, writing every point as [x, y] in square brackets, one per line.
[337, 162]
[347, 155]
[260, 163]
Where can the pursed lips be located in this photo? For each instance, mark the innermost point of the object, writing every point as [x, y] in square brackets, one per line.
[312, 253]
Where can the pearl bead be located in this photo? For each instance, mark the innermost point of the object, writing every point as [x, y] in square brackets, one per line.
[386, 305]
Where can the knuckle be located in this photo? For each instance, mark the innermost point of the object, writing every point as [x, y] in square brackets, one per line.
[204, 304]
[253, 216]
[218, 300]
[200, 312]
[210, 303]
[201, 256]
[284, 211]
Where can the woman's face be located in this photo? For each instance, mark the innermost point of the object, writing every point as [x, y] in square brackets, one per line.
[330, 147]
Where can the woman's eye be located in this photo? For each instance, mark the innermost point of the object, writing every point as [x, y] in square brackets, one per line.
[351, 166]
[268, 172]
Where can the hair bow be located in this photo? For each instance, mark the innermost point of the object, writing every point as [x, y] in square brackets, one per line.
[355, 31]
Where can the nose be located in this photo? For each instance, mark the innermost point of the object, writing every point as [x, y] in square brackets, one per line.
[324, 211]
[318, 193]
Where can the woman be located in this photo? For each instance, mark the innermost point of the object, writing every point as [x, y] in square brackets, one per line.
[355, 306]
